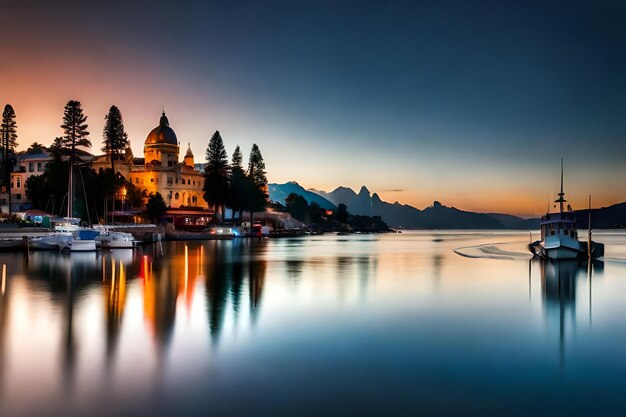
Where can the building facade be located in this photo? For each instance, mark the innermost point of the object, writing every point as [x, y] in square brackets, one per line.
[160, 171]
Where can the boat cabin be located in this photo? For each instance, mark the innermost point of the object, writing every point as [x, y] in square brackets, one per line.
[559, 224]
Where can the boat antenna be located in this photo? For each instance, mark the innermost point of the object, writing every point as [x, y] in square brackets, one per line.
[561, 200]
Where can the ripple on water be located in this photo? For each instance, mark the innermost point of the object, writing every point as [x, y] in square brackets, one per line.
[507, 251]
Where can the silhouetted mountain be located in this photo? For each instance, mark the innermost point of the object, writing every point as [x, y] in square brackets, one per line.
[506, 219]
[279, 192]
[405, 216]
[439, 216]
[612, 217]
[527, 224]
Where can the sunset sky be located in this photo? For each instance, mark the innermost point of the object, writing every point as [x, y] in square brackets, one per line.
[469, 103]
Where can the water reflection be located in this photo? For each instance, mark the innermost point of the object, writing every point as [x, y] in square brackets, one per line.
[235, 327]
[4, 310]
[559, 282]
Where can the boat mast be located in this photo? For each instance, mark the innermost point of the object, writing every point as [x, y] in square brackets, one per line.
[69, 191]
[589, 233]
[561, 200]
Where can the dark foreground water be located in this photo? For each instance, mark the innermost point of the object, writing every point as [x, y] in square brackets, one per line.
[381, 325]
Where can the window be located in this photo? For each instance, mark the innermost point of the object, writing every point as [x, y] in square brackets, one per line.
[169, 195]
[194, 182]
[39, 167]
[188, 182]
[19, 182]
[31, 167]
[170, 163]
[176, 196]
[18, 196]
[176, 180]
[151, 179]
[136, 180]
[170, 181]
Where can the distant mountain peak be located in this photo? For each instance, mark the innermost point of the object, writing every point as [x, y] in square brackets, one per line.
[364, 191]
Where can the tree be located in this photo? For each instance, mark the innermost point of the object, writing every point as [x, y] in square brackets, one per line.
[256, 168]
[8, 130]
[298, 207]
[216, 174]
[36, 191]
[36, 145]
[258, 196]
[155, 207]
[342, 213]
[75, 134]
[238, 184]
[115, 137]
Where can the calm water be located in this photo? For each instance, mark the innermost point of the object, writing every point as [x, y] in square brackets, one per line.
[331, 325]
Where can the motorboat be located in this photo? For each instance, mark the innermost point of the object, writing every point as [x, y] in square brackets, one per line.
[559, 235]
[116, 240]
[83, 240]
[55, 241]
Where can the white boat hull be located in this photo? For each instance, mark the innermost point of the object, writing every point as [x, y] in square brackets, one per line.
[82, 245]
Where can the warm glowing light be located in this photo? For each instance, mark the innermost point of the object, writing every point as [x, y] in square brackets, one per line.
[4, 277]
[186, 268]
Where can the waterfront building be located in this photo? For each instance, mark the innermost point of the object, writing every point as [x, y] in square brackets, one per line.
[160, 170]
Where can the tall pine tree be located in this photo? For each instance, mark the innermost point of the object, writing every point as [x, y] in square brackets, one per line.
[8, 136]
[216, 173]
[257, 198]
[238, 184]
[115, 137]
[74, 134]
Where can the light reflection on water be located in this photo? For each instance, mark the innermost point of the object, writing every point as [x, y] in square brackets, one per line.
[362, 324]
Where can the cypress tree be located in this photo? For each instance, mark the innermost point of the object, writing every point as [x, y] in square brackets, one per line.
[115, 137]
[216, 174]
[8, 137]
[75, 134]
[238, 184]
[258, 196]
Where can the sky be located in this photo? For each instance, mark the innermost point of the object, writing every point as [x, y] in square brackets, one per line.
[469, 103]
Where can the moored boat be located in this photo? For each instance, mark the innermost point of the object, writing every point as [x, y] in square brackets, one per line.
[559, 235]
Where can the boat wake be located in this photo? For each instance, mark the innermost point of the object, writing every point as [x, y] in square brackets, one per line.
[504, 251]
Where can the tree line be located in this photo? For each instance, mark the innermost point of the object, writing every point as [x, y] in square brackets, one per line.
[229, 185]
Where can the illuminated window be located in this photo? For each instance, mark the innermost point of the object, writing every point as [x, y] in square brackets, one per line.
[136, 180]
[176, 196]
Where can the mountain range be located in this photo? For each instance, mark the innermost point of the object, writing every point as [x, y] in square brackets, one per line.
[395, 214]
[436, 216]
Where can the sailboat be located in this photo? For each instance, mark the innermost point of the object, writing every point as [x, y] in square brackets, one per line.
[559, 235]
[68, 234]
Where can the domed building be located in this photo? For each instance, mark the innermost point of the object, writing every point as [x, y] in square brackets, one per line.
[160, 171]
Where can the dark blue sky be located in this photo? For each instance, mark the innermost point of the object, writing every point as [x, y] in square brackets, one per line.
[472, 103]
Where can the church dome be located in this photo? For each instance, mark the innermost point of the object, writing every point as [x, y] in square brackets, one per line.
[162, 134]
